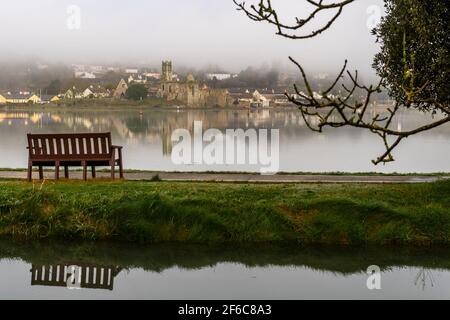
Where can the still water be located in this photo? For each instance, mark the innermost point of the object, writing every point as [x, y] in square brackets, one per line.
[108, 271]
[146, 135]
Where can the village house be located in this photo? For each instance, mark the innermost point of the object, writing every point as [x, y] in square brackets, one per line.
[49, 98]
[154, 75]
[73, 93]
[257, 99]
[22, 97]
[242, 97]
[131, 71]
[121, 90]
[140, 79]
[277, 99]
[85, 75]
[95, 91]
[2, 99]
[220, 76]
[260, 100]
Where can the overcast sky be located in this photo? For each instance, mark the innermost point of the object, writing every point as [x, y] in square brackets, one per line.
[193, 33]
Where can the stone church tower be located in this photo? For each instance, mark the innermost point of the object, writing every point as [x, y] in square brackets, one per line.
[166, 71]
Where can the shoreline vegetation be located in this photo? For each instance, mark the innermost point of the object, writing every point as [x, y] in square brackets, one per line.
[96, 103]
[100, 104]
[221, 213]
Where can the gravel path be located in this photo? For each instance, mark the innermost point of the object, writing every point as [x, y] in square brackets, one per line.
[242, 177]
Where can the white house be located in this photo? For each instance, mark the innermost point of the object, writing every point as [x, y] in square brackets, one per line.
[137, 79]
[131, 71]
[219, 76]
[154, 75]
[85, 75]
[261, 100]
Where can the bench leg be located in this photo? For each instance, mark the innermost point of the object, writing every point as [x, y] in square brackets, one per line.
[84, 170]
[113, 171]
[94, 175]
[57, 170]
[120, 164]
[41, 173]
[30, 173]
[66, 172]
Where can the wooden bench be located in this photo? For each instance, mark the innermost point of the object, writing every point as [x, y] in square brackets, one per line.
[84, 275]
[63, 275]
[73, 150]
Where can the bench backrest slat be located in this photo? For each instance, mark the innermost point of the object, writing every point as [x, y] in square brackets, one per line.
[51, 146]
[73, 146]
[70, 146]
[89, 146]
[36, 147]
[104, 145]
[82, 150]
[58, 143]
[66, 147]
[96, 149]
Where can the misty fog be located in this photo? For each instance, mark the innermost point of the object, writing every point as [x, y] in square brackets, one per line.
[194, 33]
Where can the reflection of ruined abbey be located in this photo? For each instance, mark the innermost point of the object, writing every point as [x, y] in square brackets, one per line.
[190, 92]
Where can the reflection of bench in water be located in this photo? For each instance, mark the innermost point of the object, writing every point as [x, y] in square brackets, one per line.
[74, 275]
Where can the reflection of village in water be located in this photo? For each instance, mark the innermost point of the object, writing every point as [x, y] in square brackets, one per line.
[155, 126]
[146, 135]
[74, 276]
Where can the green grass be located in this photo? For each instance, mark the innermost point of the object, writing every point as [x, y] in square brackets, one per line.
[150, 212]
[97, 103]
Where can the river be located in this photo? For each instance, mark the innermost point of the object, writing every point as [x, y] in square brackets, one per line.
[119, 271]
[146, 136]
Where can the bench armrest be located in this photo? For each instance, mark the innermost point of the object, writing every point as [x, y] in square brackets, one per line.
[119, 152]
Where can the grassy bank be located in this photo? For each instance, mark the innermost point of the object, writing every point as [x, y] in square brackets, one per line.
[97, 104]
[150, 212]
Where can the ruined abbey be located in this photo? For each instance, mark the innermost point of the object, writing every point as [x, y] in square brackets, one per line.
[190, 92]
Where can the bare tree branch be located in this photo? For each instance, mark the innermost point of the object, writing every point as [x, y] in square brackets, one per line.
[322, 109]
[264, 11]
[325, 109]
